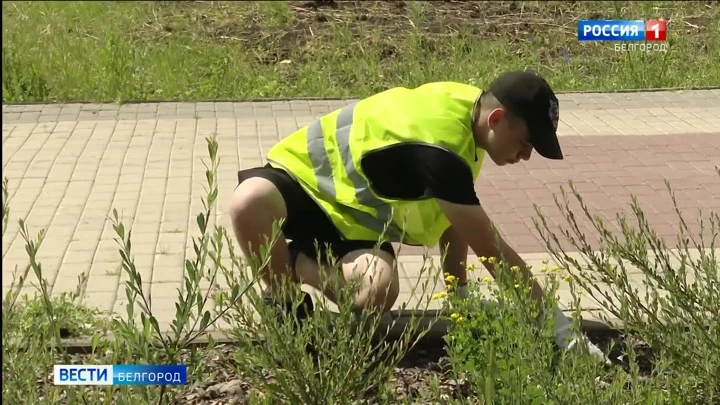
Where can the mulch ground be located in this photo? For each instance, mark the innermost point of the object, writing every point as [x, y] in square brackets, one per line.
[412, 377]
[425, 369]
[548, 26]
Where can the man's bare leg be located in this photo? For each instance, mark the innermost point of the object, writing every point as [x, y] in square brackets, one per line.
[256, 204]
[375, 273]
[375, 276]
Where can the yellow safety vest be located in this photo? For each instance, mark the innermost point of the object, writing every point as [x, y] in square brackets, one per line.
[325, 157]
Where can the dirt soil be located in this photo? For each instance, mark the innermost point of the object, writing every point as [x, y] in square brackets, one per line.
[551, 26]
[411, 378]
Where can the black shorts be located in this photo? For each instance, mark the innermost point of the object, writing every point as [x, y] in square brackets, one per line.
[306, 222]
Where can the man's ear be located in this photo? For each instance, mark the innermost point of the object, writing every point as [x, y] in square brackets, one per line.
[495, 117]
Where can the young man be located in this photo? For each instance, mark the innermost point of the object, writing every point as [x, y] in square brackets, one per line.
[399, 166]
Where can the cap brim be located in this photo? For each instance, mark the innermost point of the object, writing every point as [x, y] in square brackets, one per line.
[549, 148]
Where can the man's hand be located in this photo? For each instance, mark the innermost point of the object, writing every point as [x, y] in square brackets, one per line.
[565, 339]
[463, 292]
[454, 253]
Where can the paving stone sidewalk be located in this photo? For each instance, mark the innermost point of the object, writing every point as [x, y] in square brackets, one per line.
[70, 165]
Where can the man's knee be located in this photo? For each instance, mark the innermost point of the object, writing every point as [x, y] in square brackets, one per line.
[256, 202]
[385, 298]
[379, 284]
[255, 206]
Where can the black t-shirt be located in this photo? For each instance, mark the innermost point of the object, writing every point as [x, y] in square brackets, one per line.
[414, 172]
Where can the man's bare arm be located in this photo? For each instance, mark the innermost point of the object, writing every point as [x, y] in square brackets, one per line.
[472, 224]
[454, 252]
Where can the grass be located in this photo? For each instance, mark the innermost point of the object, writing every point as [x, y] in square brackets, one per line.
[499, 352]
[123, 51]
[138, 51]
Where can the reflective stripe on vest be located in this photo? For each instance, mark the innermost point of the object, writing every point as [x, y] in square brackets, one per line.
[322, 168]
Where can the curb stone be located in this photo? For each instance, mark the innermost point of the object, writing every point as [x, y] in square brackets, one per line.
[270, 99]
[434, 335]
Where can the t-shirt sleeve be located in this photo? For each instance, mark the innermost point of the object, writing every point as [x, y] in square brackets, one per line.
[445, 176]
[410, 171]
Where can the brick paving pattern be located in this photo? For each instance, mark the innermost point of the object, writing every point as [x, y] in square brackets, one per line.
[70, 165]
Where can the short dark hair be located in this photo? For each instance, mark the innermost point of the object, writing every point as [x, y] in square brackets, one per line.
[488, 102]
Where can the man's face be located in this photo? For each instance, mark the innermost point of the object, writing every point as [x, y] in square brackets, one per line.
[507, 142]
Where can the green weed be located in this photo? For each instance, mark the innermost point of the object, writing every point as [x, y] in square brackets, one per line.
[352, 359]
[500, 347]
[674, 308]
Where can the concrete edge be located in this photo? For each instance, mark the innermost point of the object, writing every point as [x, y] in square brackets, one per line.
[560, 135]
[398, 321]
[260, 100]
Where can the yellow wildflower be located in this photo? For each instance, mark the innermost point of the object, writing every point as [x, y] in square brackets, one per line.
[491, 260]
[483, 259]
[515, 268]
[471, 267]
[569, 279]
[440, 295]
[460, 319]
[487, 280]
[555, 269]
[517, 285]
[450, 278]
[455, 316]
[543, 269]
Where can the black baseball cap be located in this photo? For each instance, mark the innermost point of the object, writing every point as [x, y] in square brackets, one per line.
[530, 97]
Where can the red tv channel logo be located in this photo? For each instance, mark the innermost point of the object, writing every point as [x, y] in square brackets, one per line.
[655, 30]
